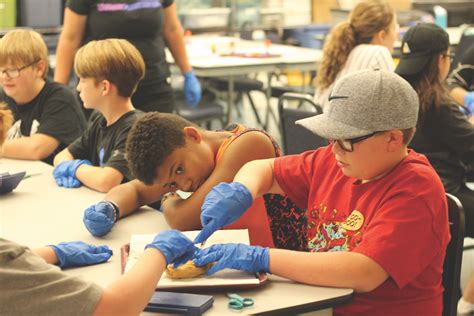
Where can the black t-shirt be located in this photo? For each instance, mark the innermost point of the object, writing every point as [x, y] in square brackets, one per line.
[104, 145]
[463, 75]
[446, 137]
[139, 22]
[54, 112]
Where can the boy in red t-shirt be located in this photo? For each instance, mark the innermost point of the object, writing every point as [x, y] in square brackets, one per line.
[377, 213]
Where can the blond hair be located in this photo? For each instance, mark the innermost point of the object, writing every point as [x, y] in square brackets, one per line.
[366, 19]
[6, 121]
[115, 60]
[23, 47]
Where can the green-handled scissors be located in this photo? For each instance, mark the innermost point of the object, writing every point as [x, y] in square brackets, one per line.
[238, 302]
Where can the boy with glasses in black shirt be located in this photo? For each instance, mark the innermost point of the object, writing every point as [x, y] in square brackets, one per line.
[47, 115]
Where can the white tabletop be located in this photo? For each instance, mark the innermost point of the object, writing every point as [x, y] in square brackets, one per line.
[206, 52]
[39, 213]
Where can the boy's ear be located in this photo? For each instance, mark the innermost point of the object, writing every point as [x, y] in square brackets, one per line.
[41, 67]
[106, 87]
[395, 140]
[192, 133]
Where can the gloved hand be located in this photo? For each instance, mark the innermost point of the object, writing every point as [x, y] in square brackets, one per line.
[99, 218]
[252, 259]
[65, 173]
[78, 253]
[223, 205]
[192, 89]
[469, 101]
[174, 246]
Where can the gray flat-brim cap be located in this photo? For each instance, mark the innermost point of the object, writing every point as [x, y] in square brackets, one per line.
[365, 102]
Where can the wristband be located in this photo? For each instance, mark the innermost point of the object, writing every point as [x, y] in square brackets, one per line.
[115, 207]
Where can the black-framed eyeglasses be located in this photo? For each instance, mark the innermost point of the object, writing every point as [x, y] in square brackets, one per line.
[15, 73]
[450, 55]
[348, 144]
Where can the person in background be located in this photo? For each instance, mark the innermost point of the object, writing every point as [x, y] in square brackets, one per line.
[373, 204]
[48, 291]
[150, 26]
[167, 153]
[108, 71]
[47, 115]
[364, 41]
[461, 81]
[444, 133]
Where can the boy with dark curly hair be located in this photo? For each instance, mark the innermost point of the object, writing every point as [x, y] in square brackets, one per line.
[168, 153]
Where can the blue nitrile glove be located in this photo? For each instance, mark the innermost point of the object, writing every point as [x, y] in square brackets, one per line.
[78, 253]
[99, 218]
[252, 259]
[192, 89]
[469, 101]
[65, 173]
[223, 205]
[174, 246]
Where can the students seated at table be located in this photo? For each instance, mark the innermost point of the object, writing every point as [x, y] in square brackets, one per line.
[167, 153]
[461, 81]
[443, 133]
[47, 114]
[109, 71]
[364, 41]
[377, 212]
[45, 290]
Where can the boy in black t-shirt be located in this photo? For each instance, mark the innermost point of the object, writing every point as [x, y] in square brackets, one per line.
[108, 71]
[47, 115]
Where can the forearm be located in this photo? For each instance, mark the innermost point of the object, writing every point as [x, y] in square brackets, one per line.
[47, 253]
[181, 214]
[69, 41]
[258, 177]
[101, 179]
[458, 94]
[28, 148]
[130, 294]
[335, 269]
[175, 41]
[128, 198]
[65, 53]
[65, 154]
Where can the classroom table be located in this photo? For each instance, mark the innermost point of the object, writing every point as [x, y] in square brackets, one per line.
[38, 213]
[206, 55]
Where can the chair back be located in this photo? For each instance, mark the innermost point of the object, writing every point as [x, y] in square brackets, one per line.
[453, 258]
[466, 41]
[295, 138]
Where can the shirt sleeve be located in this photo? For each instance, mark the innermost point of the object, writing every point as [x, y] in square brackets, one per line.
[118, 158]
[82, 7]
[293, 174]
[48, 289]
[407, 225]
[167, 3]
[80, 147]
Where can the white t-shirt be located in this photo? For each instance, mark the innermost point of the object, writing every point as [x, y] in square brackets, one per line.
[363, 56]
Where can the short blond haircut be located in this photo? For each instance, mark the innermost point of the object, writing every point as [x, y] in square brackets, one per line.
[23, 47]
[115, 60]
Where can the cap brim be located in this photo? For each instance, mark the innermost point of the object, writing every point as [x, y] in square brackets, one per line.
[328, 128]
[411, 65]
